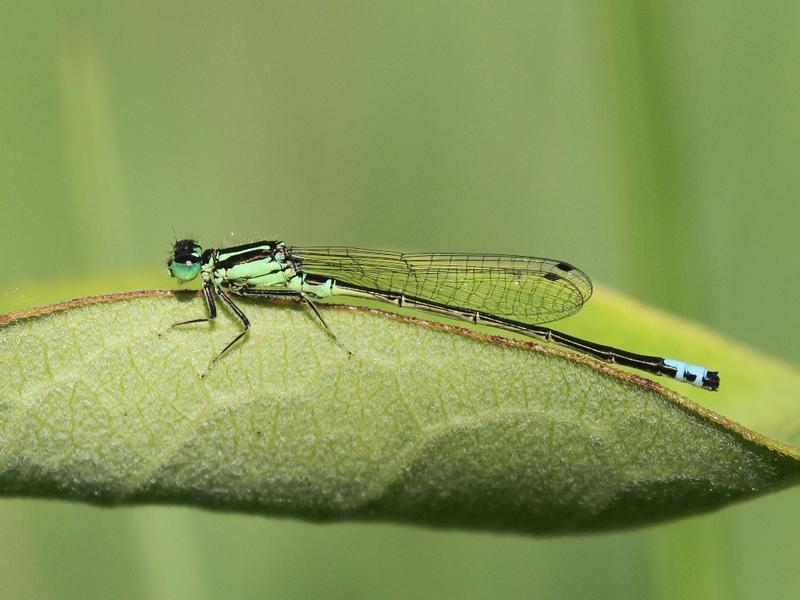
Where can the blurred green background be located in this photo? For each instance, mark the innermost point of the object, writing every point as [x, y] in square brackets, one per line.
[654, 144]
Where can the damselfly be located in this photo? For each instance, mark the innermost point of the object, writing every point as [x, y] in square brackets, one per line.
[517, 293]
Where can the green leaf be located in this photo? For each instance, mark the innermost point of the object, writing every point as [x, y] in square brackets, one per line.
[424, 422]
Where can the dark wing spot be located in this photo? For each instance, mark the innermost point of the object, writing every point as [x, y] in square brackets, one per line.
[565, 267]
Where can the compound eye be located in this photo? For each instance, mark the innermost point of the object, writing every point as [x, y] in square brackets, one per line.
[184, 268]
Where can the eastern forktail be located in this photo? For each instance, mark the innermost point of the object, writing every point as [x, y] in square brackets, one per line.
[517, 293]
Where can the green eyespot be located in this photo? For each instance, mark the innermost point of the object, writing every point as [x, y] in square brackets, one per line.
[184, 271]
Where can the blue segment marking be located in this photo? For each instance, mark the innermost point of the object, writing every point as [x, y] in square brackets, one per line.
[685, 369]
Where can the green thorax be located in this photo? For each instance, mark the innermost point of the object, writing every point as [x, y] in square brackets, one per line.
[262, 266]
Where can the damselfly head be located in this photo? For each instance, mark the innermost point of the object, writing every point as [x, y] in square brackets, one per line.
[185, 262]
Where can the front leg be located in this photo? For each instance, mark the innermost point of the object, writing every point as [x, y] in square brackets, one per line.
[208, 293]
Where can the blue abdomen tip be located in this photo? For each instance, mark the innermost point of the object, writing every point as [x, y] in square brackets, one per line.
[694, 374]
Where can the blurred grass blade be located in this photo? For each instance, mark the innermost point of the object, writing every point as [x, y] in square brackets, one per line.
[90, 145]
[423, 423]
